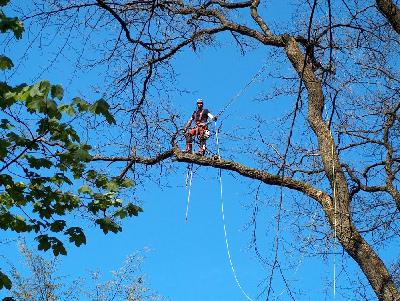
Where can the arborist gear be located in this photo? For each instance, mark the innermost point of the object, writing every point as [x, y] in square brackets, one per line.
[200, 117]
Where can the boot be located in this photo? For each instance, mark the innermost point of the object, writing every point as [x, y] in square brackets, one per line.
[188, 148]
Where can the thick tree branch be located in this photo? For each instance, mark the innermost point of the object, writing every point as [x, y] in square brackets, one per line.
[390, 120]
[231, 5]
[258, 19]
[248, 172]
[136, 159]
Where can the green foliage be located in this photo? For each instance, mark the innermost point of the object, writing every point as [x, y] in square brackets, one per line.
[76, 236]
[10, 24]
[45, 169]
[102, 107]
[57, 91]
[46, 242]
[4, 2]
[5, 63]
[5, 282]
[47, 162]
[107, 224]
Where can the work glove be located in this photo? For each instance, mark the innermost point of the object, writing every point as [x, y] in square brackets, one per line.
[215, 118]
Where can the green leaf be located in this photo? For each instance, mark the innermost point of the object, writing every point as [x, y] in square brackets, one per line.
[5, 63]
[5, 282]
[44, 243]
[21, 141]
[58, 247]
[121, 213]
[101, 107]
[126, 183]
[81, 154]
[44, 87]
[5, 124]
[6, 220]
[133, 209]
[20, 92]
[107, 224]
[51, 109]
[85, 189]
[81, 104]
[76, 236]
[58, 225]
[69, 109]
[57, 91]
[6, 200]
[91, 174]
[3, 148]
[19, 225]
[60, 178]
[13, 24]
[6, 179]
[38, 163]
[113, 185]
[35, 104]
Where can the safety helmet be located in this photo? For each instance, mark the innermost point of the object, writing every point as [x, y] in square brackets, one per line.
[199, 100]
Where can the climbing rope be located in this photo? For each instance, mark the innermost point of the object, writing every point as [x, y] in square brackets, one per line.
[241, 91]
[223, 222]
[189, 177]
[334, 223]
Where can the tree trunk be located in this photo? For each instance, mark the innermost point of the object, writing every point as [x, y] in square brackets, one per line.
[341, 220]
[391, 13]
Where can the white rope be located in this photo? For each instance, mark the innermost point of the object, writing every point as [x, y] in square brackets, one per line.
[334, 226]
[241, 91]
[223, 222]
[189, 177]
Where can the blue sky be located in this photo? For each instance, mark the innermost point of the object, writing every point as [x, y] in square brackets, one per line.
[189, 262]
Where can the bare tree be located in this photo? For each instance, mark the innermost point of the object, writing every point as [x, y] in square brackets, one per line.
[44, 282]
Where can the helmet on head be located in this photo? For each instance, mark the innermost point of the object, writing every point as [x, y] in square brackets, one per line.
[199, 101]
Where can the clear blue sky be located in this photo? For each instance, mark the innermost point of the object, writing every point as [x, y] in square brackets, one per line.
[189, 262]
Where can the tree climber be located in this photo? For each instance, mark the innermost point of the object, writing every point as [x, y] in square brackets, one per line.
[200, 116]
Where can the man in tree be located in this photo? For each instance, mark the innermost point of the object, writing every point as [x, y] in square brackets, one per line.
[200, 116]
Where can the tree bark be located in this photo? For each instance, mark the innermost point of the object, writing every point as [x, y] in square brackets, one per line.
[391, 13]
